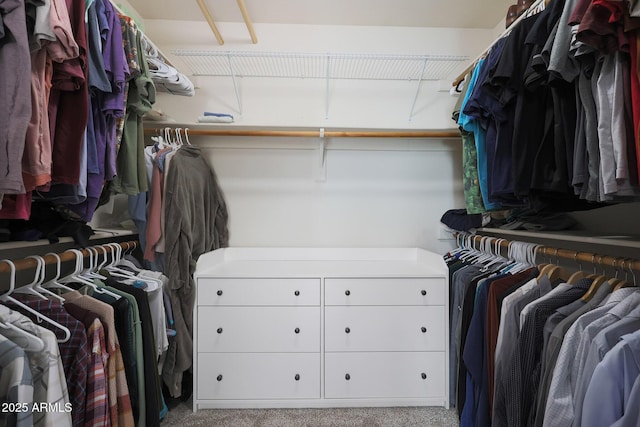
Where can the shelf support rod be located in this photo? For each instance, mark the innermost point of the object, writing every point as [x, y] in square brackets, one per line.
[326, 96]
[415, 98]
[235, 84]
[321, 166]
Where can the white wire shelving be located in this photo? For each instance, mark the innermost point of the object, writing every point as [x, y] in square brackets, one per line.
[328, 66]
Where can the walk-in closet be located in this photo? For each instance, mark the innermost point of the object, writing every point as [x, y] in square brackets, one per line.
[337, 213]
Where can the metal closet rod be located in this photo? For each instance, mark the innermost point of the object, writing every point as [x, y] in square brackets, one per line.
[577, 256]
[67, 256]
[445, 133]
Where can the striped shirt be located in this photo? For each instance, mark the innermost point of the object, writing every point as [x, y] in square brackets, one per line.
[49, 382]
[75, 353]
[16, 387]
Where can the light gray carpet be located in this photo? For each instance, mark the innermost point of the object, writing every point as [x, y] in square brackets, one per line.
[183, 416]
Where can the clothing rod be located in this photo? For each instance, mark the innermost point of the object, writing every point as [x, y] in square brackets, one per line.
[445, 133]
[66, 256]
[579, 257]
[526, 14]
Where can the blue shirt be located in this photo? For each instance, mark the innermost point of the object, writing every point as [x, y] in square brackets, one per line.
[612, 383]
[472, 124]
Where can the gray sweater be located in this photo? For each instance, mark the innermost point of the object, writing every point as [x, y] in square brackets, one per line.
[195, 222]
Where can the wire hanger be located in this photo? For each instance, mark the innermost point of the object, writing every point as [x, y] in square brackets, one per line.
[6, 297]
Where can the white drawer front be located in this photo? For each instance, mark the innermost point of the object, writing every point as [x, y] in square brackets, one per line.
[385, 291]
[385, 328]
[259, 329]
[384, 375]
[258, 376]
[257, 291]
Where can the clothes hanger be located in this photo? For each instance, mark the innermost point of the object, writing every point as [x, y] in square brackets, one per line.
[556, 273]
[544, 268]
[116, 257]
[31, 342]
[6, 297]
[598, 280]
[29, 288]
[573, 279]
[37, 286]
[615, 280]
[91, 271]
[626, 283]
[131, 277]
[53, 283]
[76, 276]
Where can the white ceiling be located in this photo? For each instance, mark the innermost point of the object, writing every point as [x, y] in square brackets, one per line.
[409, 13]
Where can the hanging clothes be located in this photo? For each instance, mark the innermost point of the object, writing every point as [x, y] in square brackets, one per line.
[197, 212]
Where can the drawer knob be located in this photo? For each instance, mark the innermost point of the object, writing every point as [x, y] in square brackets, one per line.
[297, 330]
[424, 376]
[219, 292]
[219, 330]
[423, 292]
[219, 378]
[347, 292]
[297, 293]
[347, 377]
[347, 330]
[424, 330]
[297, 377]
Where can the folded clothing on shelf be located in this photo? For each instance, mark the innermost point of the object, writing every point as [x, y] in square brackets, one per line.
[215, 118]
[168, 79]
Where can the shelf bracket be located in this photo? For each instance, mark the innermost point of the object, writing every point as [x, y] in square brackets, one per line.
[415, 98]
[326, 94]
[321, 159]
[235, 84]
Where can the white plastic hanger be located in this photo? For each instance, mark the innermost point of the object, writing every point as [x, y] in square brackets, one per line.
[36, 287]
[31, 342]
[53, 283]
[29, 288]
[79, 278]
[116, 256]
[129, 277]
[8, 298]
[91, 271]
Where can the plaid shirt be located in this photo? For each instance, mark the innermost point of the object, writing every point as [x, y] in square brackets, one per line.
[75, 353]
[97, 413]
[97, 408]
[117, 388]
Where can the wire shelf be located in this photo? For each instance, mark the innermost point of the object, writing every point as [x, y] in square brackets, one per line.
[320, 65]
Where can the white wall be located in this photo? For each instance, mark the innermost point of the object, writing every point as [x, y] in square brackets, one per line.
[389, 192]
[392, 193]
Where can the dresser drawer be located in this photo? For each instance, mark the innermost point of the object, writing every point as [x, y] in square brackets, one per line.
[258, 329]
[257, 291]
[384, 375]
[385, 291]
[384, 328]
[258, 376]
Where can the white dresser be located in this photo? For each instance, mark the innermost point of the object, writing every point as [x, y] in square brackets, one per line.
[320, 327]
